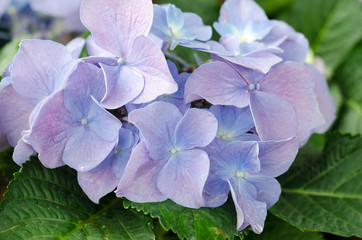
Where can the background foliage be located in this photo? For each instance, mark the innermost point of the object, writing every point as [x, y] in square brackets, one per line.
[321, 193]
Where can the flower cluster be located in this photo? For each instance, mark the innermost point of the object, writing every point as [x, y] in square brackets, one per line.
[125, 119]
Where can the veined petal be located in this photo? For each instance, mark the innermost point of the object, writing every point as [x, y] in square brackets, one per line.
[219, 84]
[123, 84]
[249, 210]
[216, 191]
[94, 50]
[139, 182]
[294, 82]
[48, 68]
[197, 128]
[116, 24]
[268, 188]
[50, 129]
[148, 60]
[84, 150]
[97, 184]
[277, 156]
[157, 123]
[15, 111]
[274, 117]
[183, 177]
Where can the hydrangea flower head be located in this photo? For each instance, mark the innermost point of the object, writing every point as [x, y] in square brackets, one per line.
[247, 170]
[177, 28]
[167, 164]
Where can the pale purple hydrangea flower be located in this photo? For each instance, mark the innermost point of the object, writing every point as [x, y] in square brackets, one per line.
[177, 28]
[139, 72]
[250, 39]
[168, 163]
[71, 127]
[104, 178]
[248, 170]
[282, 102]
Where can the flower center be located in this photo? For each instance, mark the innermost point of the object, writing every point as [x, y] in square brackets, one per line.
[253, 87]
[238, 174]
[173, 150]
[84, 121]
[121, 61]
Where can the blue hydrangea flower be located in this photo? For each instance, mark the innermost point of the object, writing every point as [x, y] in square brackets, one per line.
[71, 127]
[247, 170]
[104, 178]
[282, 102]
[139, 72]
[168, 163]
[177, 28]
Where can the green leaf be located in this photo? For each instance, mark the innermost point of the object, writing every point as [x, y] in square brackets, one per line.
[7, 166]
[332, 26]
[277, 229]
[203, 223]
[349, 76]
[326, 195]
[48, 204]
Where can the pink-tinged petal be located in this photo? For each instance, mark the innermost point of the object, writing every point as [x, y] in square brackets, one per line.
[183, 177]
[123, 84]
[94, 50]
[56, 8]
[268, 188]
[47, 68]
[274, 117]
[295, 48]
[116, 24]
[15, 111]
[139, 182]
[324, 99]
[50, 130]
[277, 156]
[157, 123]
[294, 82]
[219, 84]
[75, 46]
[249, 210]
[240, 12]
[197, 128]
[148, 60]
[97, 184]
[22, 152]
